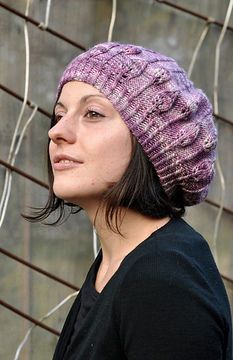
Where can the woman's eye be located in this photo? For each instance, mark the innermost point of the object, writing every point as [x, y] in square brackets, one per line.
[93, 114]
[58, 117]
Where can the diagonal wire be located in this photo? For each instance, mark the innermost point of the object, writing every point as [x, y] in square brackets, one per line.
[36, 23]
[46, 316]
[192, 13]
[29, 102]
[14, 155]
[112, 21]
[28, 317]
[37, 269]
[95, 242]
[198, 47]
[44, 25]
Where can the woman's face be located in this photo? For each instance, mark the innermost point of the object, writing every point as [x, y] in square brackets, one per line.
[90, 145]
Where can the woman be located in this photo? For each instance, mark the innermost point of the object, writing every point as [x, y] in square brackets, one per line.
[132, 142]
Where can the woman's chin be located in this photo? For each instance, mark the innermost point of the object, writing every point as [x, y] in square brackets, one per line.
[81, 200]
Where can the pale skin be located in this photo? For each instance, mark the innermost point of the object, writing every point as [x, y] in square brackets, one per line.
[90, 149]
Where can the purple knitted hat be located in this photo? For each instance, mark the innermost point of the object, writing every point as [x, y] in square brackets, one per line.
[170, 118]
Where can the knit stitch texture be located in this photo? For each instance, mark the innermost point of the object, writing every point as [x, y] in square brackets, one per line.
[168, 115]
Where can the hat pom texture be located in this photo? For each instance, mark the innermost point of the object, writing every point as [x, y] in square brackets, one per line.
[170, 118]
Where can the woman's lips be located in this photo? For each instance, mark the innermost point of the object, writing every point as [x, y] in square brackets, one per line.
[61, 162]
[65, 165]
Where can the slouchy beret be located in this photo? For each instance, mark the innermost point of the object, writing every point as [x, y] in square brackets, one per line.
[168, 115]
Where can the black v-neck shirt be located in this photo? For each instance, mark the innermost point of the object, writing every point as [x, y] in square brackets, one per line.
[87, 301]
[166, 301]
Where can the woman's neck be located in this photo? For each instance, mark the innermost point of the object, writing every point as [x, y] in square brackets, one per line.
[134, 227]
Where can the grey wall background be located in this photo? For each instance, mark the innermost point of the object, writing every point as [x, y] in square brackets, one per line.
[67, 250]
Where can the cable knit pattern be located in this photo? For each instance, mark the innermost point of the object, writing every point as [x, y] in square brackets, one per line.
[170, 118]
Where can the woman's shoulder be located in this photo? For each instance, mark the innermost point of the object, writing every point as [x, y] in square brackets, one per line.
[172, 247]
[174, 260]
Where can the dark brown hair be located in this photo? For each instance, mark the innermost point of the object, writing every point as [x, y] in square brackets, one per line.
[138, 189]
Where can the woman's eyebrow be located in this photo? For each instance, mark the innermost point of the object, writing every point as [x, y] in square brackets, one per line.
[82, 100]
[86, 97]
[59, 103]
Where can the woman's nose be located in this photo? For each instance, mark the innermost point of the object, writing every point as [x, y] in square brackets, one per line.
[63, 131]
